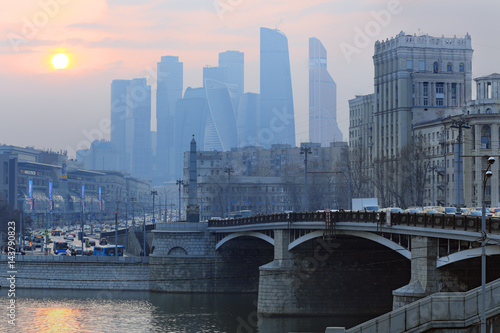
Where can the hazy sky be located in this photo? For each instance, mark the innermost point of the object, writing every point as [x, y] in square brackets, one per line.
[124, 39]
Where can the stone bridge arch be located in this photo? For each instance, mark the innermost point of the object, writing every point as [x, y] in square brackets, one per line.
[362, 234]
[179, 247]
[466, 254]
[244, 233]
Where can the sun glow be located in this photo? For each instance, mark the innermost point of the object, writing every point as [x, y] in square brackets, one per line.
[60, 61]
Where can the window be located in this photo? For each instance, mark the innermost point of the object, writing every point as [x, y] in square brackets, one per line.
[486, 137]
[426, 93]
[461, 67]
[409, 64]
[435, 67]
[421, 65]
[454, 94]
[439, 93]
[449, 67]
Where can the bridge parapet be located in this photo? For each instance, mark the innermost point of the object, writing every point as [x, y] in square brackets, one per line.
[442, 221]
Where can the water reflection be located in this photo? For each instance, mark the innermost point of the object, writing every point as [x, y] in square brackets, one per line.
[115, 311]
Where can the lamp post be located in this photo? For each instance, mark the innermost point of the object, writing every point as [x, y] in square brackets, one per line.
[487, 175]
[154, 193]
[306, 151]
[433, 169]
[228, 171]
[460, 123]
[179, 182]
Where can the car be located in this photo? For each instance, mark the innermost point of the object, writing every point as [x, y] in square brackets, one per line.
[88, 253]
[92, 243]
[103, 241]
[394, 210]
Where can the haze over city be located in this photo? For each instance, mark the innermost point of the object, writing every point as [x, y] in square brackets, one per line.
[107, 40]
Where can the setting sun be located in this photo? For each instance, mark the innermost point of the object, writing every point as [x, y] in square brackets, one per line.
[60, 61]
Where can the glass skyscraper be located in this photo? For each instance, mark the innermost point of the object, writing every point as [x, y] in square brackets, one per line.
[277, 123]
[119, 118]
[139, 128]
[220, 132]
[323, 127]
[168, 92]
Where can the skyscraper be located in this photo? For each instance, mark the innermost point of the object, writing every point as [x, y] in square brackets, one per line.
[323, 127]
[139, 128]
[233, 62]
[248, 119]
[192, 113]
[220, 132]
[168, 92]
[214, 73]
[276, 97]
[119, 118]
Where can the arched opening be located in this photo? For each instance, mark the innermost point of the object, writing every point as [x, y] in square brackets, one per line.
[177, 251]
[435, 67]
[238, 262]
[334, 275]
[449, 67]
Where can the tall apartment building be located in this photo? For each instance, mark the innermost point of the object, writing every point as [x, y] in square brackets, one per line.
[418, 79]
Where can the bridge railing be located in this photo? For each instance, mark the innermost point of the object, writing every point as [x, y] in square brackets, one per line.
[442, 221]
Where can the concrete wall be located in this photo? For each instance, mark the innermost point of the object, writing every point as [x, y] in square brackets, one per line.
[54, 272]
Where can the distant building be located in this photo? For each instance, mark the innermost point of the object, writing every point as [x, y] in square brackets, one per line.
[102, 155]
[168, 92]
[192, 114]
[119, 119]
[323, 126]
[220, 133]
[214, 73]
[234, 63]
[268, 180]
[277, 122]
[248, 120]
[139, 146]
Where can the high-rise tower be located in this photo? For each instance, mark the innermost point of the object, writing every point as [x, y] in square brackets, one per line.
[233, 62]
[168, 92]
[323, 127]
[276, 97]
[119, 119]
[139, 128]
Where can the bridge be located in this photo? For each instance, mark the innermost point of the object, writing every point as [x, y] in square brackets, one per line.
[329, 262]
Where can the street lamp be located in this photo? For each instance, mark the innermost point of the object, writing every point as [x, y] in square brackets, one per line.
[487, 175]
[228, 171]
[154, 193]
[306, 151]
[180, 182]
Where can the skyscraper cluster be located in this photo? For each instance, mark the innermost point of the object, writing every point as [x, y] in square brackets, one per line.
[219, 114]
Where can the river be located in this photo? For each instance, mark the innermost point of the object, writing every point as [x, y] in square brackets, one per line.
[117, 311]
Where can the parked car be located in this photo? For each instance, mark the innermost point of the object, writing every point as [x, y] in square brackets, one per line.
[92, 243]
[103, 241]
